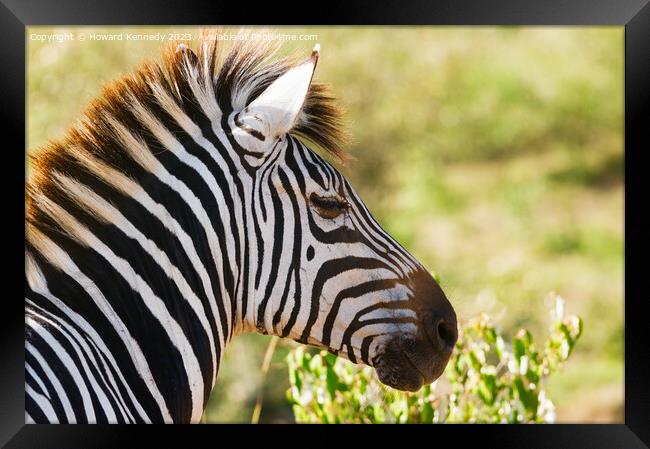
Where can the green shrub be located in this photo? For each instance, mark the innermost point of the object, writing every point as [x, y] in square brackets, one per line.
[486, 381]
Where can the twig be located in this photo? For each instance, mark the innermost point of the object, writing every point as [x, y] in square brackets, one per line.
[265, 369]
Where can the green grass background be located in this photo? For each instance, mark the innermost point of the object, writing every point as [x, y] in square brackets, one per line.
[495, 155]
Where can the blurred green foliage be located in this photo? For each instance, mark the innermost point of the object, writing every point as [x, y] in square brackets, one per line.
[494, 154]
[487, 381]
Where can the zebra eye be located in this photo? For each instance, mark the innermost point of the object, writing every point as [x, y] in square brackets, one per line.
[329, 206]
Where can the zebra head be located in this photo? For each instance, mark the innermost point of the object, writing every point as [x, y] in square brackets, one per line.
[326, 273]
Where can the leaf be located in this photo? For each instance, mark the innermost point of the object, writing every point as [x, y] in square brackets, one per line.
[527, 397]
[532, 374]
[332, 380]
[315, 364]
[490, 335]
[474, 360]
[330, 358]
[304, 361]
[297, 380]
[427, 413]
[488, 384]
[500, 347]
[522, 343]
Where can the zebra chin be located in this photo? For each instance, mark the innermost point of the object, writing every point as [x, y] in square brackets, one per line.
[408, 363]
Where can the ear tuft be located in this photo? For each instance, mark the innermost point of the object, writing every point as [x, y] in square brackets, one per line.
[186, 52]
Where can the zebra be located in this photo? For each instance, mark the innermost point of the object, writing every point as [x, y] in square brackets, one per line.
[186, 208]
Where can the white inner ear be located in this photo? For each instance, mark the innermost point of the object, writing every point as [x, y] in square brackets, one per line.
[279, 106]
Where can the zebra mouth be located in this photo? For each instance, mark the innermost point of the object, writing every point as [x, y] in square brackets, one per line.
[408, 363]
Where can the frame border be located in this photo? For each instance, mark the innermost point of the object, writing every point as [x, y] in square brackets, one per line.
[16, 15]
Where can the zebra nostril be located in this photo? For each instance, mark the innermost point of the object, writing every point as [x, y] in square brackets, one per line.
[446, 333]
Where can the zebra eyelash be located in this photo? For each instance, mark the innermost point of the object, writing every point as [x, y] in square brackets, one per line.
[329, 206]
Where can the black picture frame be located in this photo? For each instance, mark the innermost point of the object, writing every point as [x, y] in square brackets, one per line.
[634, 15]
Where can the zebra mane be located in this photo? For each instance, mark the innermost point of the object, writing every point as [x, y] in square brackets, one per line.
[213, 80]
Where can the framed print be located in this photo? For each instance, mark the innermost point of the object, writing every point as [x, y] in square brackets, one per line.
[415, 215]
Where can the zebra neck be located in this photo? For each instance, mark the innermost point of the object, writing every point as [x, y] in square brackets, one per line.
[141, 261]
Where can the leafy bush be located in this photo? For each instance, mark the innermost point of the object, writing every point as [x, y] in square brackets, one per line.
[486, 381]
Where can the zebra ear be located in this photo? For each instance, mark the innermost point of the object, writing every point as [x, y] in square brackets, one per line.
[280, 103]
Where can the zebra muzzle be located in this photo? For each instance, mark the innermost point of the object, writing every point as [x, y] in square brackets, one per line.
[411, 360]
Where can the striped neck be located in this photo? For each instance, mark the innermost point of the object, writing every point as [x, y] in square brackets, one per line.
[165, 239]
